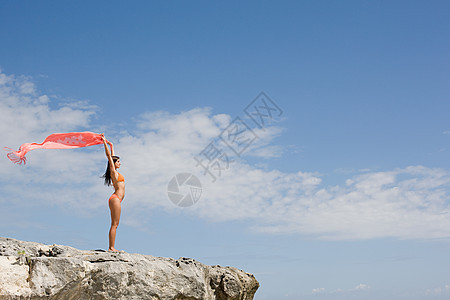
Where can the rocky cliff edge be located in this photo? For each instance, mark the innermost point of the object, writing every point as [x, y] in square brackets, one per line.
[30, 270]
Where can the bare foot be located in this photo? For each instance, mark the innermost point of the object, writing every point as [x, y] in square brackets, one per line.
[113, 250]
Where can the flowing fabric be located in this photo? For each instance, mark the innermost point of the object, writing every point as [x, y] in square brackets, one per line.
[68, 140]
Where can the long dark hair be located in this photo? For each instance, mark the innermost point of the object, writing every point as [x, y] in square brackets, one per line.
[107, 175]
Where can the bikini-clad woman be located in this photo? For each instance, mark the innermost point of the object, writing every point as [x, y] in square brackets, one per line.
[114, 178]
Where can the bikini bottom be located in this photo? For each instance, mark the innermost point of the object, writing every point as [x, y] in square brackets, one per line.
[114, 196]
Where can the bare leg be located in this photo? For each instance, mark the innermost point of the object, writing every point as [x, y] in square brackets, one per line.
[114, 206]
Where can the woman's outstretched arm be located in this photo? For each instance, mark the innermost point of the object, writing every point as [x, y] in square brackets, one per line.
[112, 148]
[110, 159]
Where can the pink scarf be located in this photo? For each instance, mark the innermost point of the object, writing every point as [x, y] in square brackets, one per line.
[68, 140]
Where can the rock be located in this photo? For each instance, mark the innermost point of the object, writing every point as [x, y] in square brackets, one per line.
[30, 270]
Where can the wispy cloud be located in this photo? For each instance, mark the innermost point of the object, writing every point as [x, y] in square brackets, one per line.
[359, 288]
[49, 177]
[405, 203]
[318, 291]
[410, 202]
[439, 291]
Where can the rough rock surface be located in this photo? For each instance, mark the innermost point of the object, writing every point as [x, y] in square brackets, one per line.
[30, 270]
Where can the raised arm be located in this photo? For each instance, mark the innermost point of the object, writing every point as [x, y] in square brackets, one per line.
[112, 148]
[110, 159]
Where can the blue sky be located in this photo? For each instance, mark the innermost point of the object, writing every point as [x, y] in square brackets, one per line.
[345, 196]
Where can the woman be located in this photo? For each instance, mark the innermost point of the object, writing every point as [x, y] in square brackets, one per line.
[114, 178]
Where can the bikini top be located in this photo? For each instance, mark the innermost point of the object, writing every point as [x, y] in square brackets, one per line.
[120, 178]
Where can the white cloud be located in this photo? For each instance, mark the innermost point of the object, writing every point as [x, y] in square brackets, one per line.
[27, 115]
[403, 203]
[318, 291]
[359, 288]
[411, 202]
[362, 287]
[49, 177]
[439, 291]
